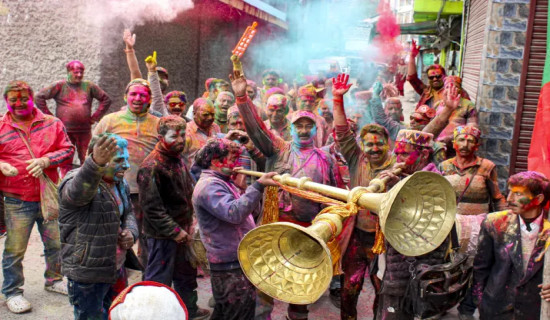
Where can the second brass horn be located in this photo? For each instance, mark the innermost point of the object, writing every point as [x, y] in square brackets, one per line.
[293, 264]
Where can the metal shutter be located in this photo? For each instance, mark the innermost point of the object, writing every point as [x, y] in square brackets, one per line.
[473, 48]
[530, 85]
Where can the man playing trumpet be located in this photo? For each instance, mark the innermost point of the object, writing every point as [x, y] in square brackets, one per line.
[299, 158]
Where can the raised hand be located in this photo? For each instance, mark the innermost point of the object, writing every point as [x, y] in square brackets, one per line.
[104, 149]
[129, 39]
[238, 82]
[452, 96]
[340, 85]
[415, 49]
[151, 62]
[377, 89]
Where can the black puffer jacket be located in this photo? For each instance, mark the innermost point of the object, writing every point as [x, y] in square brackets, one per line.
[397, 273]
[89, 220]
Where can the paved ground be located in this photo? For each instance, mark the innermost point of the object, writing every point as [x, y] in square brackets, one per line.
[53, 306]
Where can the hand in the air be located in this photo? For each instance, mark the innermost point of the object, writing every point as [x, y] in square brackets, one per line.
[151, 62]
[104, 149]
[415, 49]
[267, 179]
[238, 82]
[129, 39]
[340, 85]
[452, 97]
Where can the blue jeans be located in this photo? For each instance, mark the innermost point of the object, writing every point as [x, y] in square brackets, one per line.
[20, 219]
[91, 301]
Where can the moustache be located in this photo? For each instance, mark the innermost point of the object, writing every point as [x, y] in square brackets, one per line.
[374, 152]
[304, 135]
[176, 110]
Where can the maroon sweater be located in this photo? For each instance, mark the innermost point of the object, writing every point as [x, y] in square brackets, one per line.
[74, 103]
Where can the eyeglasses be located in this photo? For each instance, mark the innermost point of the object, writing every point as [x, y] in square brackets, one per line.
[435, 77]
[173, 104]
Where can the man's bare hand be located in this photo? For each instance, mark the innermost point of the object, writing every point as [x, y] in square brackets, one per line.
[151, 62]
[8, 170]
[452, 97]
[125, 239]
[36, 166]
[238, 82]
[340, 85]
[129, 39]
[415, 49]
[104, 149]
[267, 179]
[182, 237]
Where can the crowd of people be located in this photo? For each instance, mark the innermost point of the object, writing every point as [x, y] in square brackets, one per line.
[162, 173]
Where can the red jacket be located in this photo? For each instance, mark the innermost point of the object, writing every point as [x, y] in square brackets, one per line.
[48, 138]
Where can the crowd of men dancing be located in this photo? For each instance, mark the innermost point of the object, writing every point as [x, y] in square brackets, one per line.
[161, 172]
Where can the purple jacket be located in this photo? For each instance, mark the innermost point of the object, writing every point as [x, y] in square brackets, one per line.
[224, 215]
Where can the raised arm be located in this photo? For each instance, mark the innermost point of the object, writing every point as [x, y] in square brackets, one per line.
[267, 142]
[104, 102]
[133, 65]
[412, 77]
[82, 188]
[444, 111]
[153, 77]
[344, 137]
[380, 117]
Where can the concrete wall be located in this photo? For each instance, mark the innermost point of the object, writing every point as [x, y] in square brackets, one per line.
[37, 39]
[500, 80]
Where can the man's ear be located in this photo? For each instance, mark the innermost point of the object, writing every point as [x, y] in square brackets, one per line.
[539, 199]
[125, 98]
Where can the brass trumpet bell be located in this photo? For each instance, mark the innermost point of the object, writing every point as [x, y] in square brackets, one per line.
[293, 264]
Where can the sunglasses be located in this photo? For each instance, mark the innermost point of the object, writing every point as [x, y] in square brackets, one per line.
[435, 77]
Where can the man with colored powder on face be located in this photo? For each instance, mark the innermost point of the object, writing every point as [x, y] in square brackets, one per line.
[19, 183]
[277, 121]
[475, 182]
[307, 101]
[324, 110]
[250, 158]
[176, 103]
[508, 267]
[165, 191]
[464, 111]
[412, 150]
[299, 158]
[364, 165]
[270, 79]
[139, 128]
[74, 97]
[200, 129]
[95, 195]
[433, 92]
[224, 101]
[225, 214]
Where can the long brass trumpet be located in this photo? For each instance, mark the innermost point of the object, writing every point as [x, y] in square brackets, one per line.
[293, 264]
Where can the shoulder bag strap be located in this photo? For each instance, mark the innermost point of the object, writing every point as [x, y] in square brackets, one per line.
[25, 142]
[454, 235]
